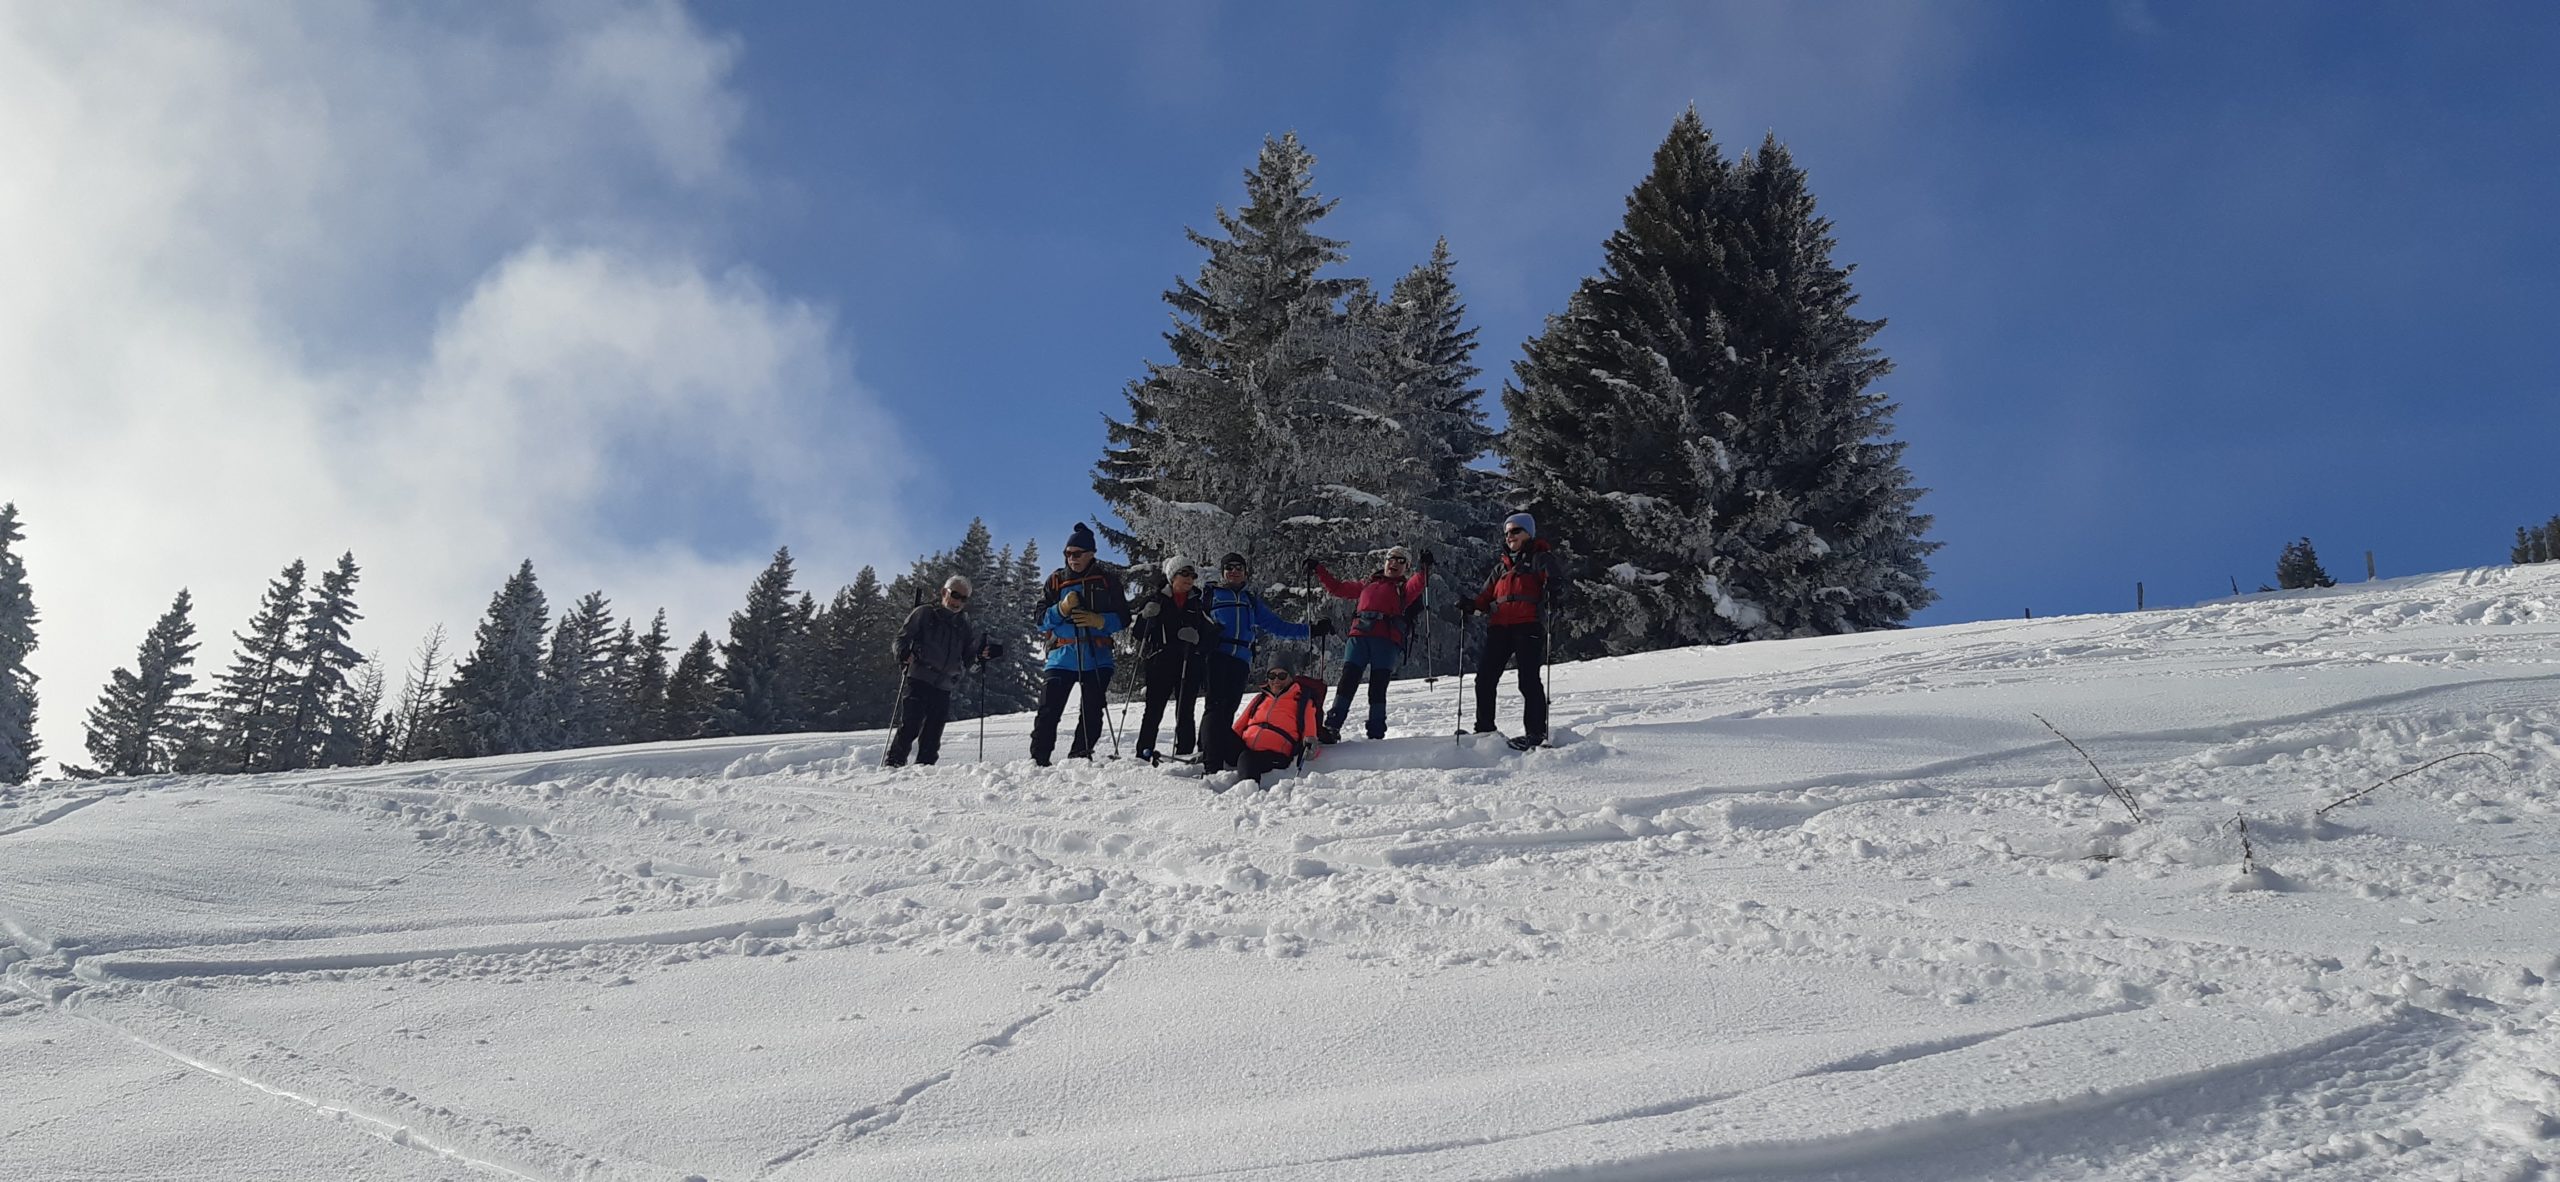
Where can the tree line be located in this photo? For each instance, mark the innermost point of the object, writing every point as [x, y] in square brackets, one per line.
[296, 694]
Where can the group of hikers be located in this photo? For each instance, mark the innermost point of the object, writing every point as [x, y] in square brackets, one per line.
[1198, 641]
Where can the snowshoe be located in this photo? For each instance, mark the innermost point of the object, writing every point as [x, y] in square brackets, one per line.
[1525, 742]
[1328, 735]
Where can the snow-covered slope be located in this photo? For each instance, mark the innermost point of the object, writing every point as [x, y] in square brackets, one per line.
[1840, 908]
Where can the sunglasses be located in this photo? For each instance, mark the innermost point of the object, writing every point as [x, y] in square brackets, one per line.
[1276, 675]
[1515, 532]
[1186, 573]
[1232, 566]
[963, 596]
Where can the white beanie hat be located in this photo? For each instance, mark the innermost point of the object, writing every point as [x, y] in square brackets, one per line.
[1176, 564]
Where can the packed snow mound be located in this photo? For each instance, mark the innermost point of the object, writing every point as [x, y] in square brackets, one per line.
[2090, 897]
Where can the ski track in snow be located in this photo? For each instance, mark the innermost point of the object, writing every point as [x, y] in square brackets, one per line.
[1876, 812]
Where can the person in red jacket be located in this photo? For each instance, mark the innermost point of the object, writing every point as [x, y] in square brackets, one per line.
[1524, 584]
[1382, 602]
[1274, 726]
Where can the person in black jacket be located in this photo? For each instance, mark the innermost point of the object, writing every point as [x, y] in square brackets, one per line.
[935, 647]
[1175, 637]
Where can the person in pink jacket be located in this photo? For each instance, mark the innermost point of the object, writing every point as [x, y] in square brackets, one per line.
[1383, 604]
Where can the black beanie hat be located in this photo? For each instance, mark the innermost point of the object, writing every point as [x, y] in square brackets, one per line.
[1080, 538]
[1233, 559]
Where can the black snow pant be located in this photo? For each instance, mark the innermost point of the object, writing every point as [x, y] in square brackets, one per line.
[1178, 681]
[1257, 764]
[1219, 746]
[1505, 644]
[1053, 703]
[920, 719]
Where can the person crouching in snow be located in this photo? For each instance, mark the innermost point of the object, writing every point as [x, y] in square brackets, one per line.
[937, 645]
[1244, 621]
[1275, 724]
[1174, 634]
[1376, 644]
[1523, 585]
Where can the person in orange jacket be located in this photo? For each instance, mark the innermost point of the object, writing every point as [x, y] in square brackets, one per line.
[1524, 583]
[1276, 724]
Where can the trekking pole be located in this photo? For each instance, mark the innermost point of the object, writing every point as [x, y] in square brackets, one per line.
[1459, 733]
[1106, 712]
[981, 704]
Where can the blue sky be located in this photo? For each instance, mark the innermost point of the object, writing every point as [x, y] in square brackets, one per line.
[641, 290]
[2168, 285]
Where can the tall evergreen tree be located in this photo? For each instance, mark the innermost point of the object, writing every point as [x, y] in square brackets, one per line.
[252, 706]
[1701, 414]
[351, 738]
[760, 671]
[414, 730]
[578, 676]
[140, 724]
[644, 683]
[324, 658]
[693, 692]
[852, 683]
[495, 704]
[18, 745]
[1265, 432]
[1433, 396]
[2298, 566]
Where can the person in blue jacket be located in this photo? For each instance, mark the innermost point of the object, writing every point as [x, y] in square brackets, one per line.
[1083, 605]
[1244, 621]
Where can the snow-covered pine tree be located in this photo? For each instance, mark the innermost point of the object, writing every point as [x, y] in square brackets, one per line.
[802, 657]
[613, 666]
[644, 684]
[844, 686]
[760, 677]
[1264, 434]
[323, 657]
[495, 704]
[414, 731]
[1005, 608]
[355, 719]
[252, 708]
[141, 721]
[1847, 552]
[1432, 394]
[2298, 567]
[693, 691]
[18, 745]
[1695, 430]
[576, 679]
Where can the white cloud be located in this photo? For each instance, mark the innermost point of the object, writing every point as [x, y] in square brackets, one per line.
[290, 279]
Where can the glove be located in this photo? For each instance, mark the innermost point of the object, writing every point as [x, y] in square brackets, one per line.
[1314, 565]
[1467, 605]
[1149, 612]
[1085, 619]
[1188, 636]
[991, 652]
[1320, 629]
[1426, 560]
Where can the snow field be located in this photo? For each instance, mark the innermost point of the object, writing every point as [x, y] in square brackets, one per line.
[1834, 908]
